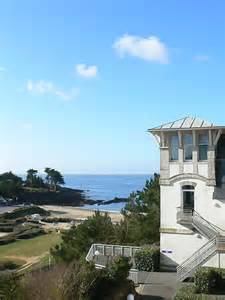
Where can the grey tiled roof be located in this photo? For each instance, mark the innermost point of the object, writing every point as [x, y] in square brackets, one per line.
[185, 123]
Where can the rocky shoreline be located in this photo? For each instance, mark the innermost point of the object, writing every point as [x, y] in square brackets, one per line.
[64, 197]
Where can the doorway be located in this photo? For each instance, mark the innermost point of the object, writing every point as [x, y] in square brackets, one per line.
[188, 194]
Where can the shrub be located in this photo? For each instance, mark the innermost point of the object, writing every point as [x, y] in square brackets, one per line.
[8, 265]
[25, 211]
[147, 259]
[7, 239]
[6, 228]
[56, 220]
[207, 279]
[118, 269]
[30, 233]
[185, 293]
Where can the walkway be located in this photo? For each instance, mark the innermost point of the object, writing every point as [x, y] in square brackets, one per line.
[158, 285]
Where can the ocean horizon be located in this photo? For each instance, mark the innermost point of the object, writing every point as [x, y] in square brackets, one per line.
[106, 187]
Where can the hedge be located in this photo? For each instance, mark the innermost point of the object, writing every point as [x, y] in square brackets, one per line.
[7, 239]
[8, 265]
[30, 233]
[24, 211]
[6, 229]
[147, 259]
[185, 293]
[57, 220]
[207, 279]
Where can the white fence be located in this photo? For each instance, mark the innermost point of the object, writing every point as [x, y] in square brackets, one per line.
[102, 253]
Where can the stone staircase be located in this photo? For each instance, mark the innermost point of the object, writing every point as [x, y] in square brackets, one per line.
[215, 243]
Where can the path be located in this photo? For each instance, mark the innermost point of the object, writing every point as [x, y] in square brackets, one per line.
[159, 285]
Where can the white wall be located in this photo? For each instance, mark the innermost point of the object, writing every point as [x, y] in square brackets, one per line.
[182, 246]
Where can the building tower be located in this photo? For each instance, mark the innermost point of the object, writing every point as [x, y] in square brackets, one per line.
[192, 191]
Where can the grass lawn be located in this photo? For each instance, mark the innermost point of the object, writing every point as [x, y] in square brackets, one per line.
[32, 247]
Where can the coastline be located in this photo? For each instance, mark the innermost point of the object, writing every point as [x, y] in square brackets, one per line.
[79, 213]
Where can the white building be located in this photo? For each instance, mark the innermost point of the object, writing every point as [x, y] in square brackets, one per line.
[192, 181]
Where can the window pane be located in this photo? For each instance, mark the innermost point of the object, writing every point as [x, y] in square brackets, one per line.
[188, 147]
[202, 152]
[203, 139]
[174, 143]
[202, 146]
[188, 200]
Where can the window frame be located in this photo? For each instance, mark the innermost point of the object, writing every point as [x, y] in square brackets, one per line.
[184, 147]
[203, 144]
[170, 147]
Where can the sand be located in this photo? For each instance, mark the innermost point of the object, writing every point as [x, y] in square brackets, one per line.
[77, 213]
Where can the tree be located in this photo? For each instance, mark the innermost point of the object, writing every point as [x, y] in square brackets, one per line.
[141, 215]
[77, 241]
[53, 178]
[10, 185]
[31, 175]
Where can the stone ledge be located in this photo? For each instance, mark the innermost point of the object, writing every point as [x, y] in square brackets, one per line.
[175, 231]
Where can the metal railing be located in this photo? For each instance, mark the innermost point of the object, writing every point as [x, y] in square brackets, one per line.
[203, 226]
[216, 243]
[102, 254]
[111, 251]
[184, 216]
[197, 259]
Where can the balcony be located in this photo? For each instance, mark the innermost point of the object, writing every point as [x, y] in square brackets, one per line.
[184, 216]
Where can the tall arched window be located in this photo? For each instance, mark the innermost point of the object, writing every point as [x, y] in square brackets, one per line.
[188, 196]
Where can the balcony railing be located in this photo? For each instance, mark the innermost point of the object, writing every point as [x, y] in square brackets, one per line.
[184, 216]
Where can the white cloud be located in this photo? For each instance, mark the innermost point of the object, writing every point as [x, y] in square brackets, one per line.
[150, 48]
[47, 87]
[86, 71]
[201, 57]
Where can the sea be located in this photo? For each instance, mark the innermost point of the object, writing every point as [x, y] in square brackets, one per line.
[106, 187]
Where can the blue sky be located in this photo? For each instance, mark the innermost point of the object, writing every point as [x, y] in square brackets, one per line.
[82, 81]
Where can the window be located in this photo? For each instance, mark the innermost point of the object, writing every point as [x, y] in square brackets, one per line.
[174, 144]
[188, 146]
[188, 197]
[202, 146]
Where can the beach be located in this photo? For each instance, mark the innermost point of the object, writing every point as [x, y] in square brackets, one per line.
[78, 213]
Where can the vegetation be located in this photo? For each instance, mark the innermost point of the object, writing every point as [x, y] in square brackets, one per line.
[80, 280]
[140, 213]
[77, 241]
[206, 280]
[208, 283]
[186, 293]
[33, 180]
[23, 212]
[37, 246]
[13, 186]
[10, 185]
[53, 178]
[147, 259]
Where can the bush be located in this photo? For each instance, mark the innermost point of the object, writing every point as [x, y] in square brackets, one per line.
[207, 279]
[25, 211]
[6, 228]
[185, 293]
[57, 220]
[147, 259]
[30, 233]
[8, 265]
[118, 269]
[7, 239]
